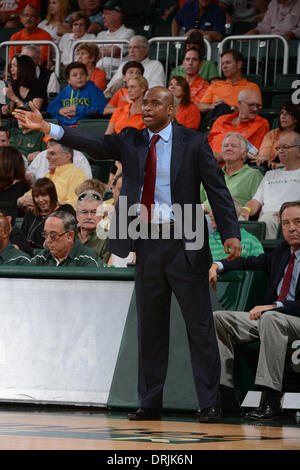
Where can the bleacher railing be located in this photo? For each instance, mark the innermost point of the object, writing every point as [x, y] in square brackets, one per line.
[298, 59]
[176, 43]
[263, 51]
[102, 43]
[8, 44]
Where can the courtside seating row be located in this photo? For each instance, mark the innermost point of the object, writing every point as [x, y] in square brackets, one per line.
[236, 290]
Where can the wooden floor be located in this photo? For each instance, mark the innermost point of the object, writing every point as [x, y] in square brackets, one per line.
[40, 429]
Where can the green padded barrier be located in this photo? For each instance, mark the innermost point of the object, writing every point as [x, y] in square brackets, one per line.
[45, 272]
[235, 291]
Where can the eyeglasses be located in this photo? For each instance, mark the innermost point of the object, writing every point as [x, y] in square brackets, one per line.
[54, 236]
[26, 15]
[86, 212]
[252, 105]
[285, 147]
[94, 195]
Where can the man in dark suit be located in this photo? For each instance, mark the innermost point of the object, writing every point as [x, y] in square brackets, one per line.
[164, 264]
[276, 323]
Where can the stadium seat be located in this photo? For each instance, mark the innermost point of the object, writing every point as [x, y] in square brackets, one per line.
[100, 169]
[277, 100]
[258, 229]
[283, 83]
[93, 125]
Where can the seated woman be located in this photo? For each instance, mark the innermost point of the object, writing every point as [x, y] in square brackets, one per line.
[13, 183]
[289, 121]
[188, 113]
[45, 201]
[88, 54]
[130, 115]
[58, 10]
[23, 85]
[79, 23]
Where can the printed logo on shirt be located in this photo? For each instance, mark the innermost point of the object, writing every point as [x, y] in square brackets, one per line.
[76, 102]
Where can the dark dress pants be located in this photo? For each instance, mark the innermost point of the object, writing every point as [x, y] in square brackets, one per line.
[163, 267]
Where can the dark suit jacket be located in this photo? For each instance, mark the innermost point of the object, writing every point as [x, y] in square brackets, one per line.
[192, 163]
[273, 263]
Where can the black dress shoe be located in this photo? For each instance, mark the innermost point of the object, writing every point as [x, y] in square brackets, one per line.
[144, 414]
[210, 415]
[264, 413]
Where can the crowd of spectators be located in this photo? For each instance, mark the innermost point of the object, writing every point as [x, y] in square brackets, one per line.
[65, 212]
[109, 80]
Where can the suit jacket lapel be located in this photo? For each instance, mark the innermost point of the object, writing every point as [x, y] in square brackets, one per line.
[142, 149]
[178, 151]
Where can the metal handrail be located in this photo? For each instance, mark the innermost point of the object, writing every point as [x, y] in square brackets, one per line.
[8, 44]
[259, 38]
[177, 41]
[298, 60]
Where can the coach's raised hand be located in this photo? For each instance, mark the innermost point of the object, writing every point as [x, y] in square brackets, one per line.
[31, 119]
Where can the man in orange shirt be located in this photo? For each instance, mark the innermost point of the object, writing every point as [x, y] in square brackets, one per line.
[191, 64]
[30, 18]
[224, 93]
[245, 121]
[10, 11]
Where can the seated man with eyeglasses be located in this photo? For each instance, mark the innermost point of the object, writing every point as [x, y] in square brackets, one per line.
[62, 247]
[63, 172]
[245, 121]
[277, 186]
[89, 215]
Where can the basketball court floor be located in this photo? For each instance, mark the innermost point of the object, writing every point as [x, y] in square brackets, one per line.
[61, 428]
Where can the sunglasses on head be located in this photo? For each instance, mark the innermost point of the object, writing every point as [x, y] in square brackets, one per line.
[94, 195]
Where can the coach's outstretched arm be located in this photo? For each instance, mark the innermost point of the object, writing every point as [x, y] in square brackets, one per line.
[78, 139]
[32, 119]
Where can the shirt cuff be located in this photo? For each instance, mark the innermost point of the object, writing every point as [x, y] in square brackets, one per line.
[278, 304]
[220, 266]
[56, 132]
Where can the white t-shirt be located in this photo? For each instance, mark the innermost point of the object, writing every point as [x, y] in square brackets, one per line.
[39, 167]
[276, 187]
[153, 72]
[52, 30]
[110, 64]
[65, 46]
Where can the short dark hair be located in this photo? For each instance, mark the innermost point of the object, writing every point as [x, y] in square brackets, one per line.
[237, 55]
[294, 110]
[195, 38]
[288, 204]
[38, 13]
[68, 220]
[193, 49]
[132, 64]
[44, 186]
[75, 65]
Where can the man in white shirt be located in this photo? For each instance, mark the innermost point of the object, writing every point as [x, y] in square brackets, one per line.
[153, 69]
[111, 56]
[277, 186]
